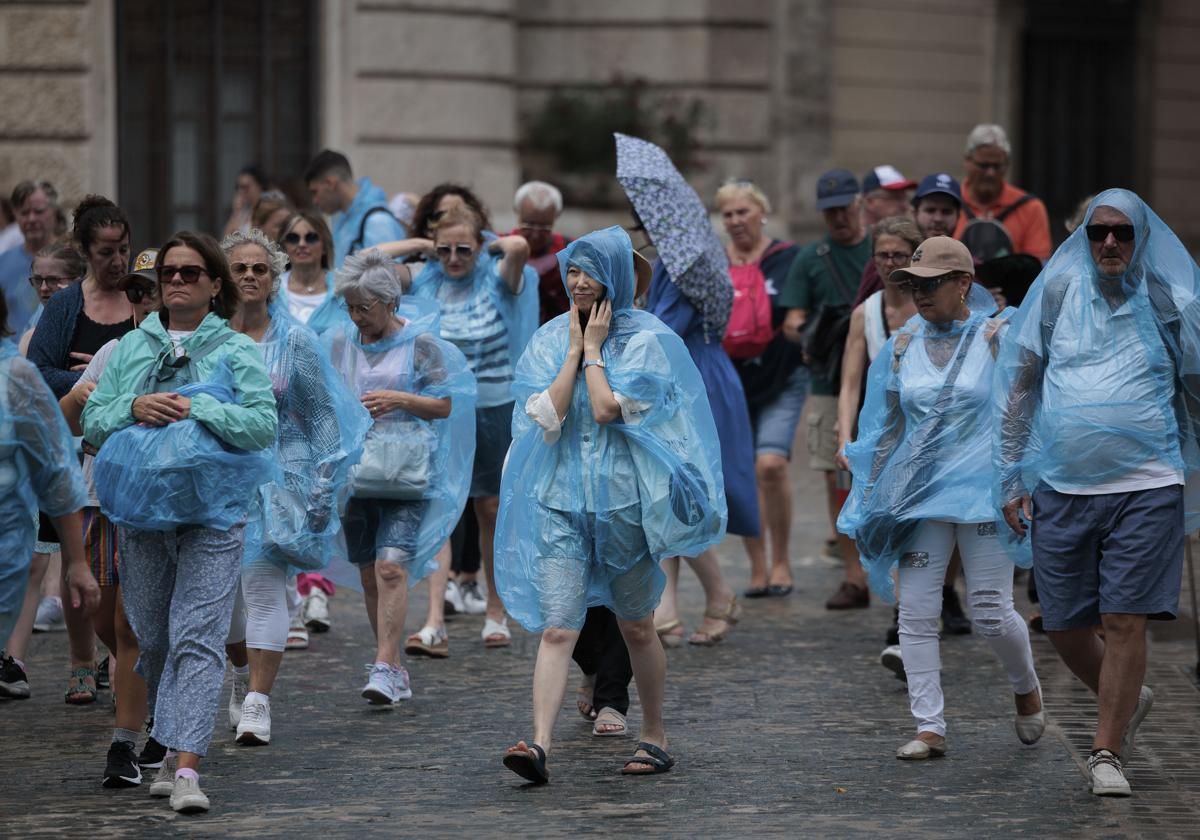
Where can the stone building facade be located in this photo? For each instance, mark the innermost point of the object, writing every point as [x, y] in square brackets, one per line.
[419, 91]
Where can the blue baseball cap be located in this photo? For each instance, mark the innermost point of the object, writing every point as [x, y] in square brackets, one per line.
[939, 182]
[836, 188]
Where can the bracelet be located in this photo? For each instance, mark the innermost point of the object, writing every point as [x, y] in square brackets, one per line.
[594, 363]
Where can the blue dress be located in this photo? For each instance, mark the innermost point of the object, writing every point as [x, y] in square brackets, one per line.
[725, 396]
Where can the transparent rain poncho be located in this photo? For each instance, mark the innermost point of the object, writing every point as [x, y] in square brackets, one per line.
[1098, 381]
[156, 478]
[416, 361]
[39, 469]
[588, 510]
[293, 521]
[518, 313]
[925, 436]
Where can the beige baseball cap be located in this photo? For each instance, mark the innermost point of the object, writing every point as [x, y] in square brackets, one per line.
[935, 257]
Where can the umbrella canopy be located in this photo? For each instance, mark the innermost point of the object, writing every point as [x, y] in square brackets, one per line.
[677, 222]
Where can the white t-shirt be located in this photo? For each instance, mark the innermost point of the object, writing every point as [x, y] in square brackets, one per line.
[303, 306]
[177, 339]
[92, 374]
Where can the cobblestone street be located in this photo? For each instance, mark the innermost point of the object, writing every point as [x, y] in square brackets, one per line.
[787, 729]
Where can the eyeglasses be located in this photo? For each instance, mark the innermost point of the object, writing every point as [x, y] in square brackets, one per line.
[189, 273]
[310, 238]
[358, 308]
[135, 294]
[257, 269]
[988, 167]
[1121, 233]
[893, 256]
[926, 285]
[534, 227]
[464, 252]
[39, 280]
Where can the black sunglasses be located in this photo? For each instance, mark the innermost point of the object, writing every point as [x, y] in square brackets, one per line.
[926, 285]
[1121, 233]
[310, 238]
[190, 273]
[136, 294]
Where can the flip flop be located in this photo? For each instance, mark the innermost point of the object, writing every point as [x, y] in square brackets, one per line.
[659, 760]
[529, 764]
[609, 717]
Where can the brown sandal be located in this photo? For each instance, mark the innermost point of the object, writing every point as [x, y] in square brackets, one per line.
[729, 615]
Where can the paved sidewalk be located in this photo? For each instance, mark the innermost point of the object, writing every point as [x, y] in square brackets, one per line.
[787, 729]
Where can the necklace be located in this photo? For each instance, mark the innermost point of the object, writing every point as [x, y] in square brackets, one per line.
[308, 288]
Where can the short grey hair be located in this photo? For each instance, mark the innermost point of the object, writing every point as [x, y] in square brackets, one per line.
[372, 274]
[276, 259]
[988, 134]
[541, 195]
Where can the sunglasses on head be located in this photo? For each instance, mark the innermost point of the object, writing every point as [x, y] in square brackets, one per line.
[463, 251]
[257, 269]
[189, 273]
[1121, 233]
[310, 238]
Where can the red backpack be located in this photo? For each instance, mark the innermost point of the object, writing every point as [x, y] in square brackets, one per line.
[750, 329]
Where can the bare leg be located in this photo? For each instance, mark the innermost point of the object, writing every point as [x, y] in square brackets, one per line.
[717, 594]
[131, 699]
[392, 582]
[846, 548]
[52, 581]
[668, 610]
[81, 634]
[237, 653]
[18, 642]
[650, 673]
[1121, 677]
[486, 509]
[366, 574]
[264, 667]
[104, 617]
[1083, 653]
[550, 680]
[437, 589]
[775, 501]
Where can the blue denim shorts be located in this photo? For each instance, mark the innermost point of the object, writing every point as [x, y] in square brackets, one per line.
[1108, 553]
[493, 436]
[775, 424]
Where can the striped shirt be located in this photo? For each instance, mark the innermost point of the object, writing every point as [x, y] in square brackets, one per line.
[471, 321]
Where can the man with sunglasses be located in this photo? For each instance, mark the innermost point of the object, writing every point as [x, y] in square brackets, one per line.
[1098, 419]
[987, 196]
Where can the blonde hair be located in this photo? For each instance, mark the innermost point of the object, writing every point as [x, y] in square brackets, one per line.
[736, 188]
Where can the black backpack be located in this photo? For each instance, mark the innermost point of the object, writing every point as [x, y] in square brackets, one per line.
[987, 239]
[357, 244]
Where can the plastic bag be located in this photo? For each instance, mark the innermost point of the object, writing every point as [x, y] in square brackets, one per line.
[156, 478]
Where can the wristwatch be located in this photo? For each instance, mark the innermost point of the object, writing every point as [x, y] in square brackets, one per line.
[594, 362]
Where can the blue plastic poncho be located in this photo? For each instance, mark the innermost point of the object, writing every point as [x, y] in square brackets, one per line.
[925, 436]
[293, 521]
[156, 478]
[416, 361]
[328, 314]
[588, 510]
[465, 302]
[38, 470]
[1098, 381]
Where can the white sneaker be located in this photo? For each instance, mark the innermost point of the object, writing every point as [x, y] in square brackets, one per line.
[187, 798]
[474, 601]
[236, 697]
[892, 659]
[1108, 779]
[454, 599]
[1144, 704]
[255, 727]
[49, 616]
[386, 686]
[164, 779]
[316, 611]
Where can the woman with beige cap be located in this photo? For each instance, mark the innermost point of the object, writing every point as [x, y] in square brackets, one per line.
[923, 484]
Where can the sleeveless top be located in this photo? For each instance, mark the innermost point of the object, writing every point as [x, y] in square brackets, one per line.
[875, 324]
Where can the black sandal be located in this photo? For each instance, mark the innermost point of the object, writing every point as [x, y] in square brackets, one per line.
[529, 765]
[659, 760]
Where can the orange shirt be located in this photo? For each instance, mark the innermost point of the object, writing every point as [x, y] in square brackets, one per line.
[1028, 225]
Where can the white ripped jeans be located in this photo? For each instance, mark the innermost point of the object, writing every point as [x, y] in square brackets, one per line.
[989, 575]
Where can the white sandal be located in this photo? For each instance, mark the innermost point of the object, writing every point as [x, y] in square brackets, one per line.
[609, 717]
[297, 638]
[496, 633]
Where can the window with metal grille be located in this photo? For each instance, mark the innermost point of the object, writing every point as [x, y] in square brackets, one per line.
[204, 88]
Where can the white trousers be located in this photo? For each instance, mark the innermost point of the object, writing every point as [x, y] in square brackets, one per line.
[989, 575]
[260, 615]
